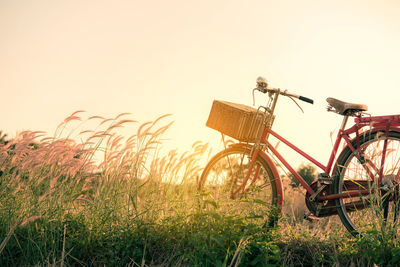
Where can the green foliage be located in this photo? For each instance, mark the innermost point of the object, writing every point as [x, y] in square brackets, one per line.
[377, 250]
[307, 172]
[3, 140]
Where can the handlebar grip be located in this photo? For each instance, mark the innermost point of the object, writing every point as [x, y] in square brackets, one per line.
[305, 99]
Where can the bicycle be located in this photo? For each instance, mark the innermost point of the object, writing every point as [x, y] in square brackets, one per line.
[360, 184]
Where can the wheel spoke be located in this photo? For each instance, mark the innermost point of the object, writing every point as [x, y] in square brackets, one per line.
[226, 173]
[379, 211]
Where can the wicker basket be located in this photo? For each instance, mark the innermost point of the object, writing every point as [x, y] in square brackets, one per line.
[238, 121]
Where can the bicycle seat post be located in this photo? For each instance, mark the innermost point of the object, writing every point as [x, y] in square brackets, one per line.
[344, 122]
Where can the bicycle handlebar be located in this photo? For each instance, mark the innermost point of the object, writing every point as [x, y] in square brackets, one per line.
[284, 93]
[305, 99]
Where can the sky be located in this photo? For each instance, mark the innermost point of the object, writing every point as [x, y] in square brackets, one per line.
[151, 58]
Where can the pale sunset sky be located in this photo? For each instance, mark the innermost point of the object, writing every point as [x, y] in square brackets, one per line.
[150, 58]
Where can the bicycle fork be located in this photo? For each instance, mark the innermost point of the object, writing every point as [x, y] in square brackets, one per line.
[254, 156]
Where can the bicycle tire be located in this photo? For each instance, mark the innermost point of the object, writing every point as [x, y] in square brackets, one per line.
[256, 203]
[378, 211]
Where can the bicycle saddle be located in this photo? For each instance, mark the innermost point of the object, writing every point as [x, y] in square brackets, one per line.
[344, 108]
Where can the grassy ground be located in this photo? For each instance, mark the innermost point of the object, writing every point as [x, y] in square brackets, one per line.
[59, 206]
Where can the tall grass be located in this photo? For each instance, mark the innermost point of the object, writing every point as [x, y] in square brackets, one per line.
[61, 198]
[94, 197]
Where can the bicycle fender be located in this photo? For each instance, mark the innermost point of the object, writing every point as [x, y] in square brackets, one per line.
[382, 128]
[353, 141]
[275, 173]
[278, 181]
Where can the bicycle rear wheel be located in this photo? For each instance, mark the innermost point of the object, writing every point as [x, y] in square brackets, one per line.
[375, 208]
[256, 201]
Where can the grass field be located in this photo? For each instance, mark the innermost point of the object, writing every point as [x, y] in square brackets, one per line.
[114, 201]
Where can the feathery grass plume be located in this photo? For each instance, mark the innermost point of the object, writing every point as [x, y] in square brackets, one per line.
[86, 131]
[142, 130]
[105, 121]
[59, 178]
[122, 115]
[72, 118]
[30, 219]
[13, 227]
[61, 127]
[96, 117]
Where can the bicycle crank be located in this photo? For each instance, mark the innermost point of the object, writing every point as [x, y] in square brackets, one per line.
[320, 208]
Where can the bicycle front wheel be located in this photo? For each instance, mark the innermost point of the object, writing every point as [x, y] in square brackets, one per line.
[370, 204]
[223, 181]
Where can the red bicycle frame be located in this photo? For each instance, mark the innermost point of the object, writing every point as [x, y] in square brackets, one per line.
[376, 123]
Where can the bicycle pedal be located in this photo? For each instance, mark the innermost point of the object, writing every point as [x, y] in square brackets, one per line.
[310, 217]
